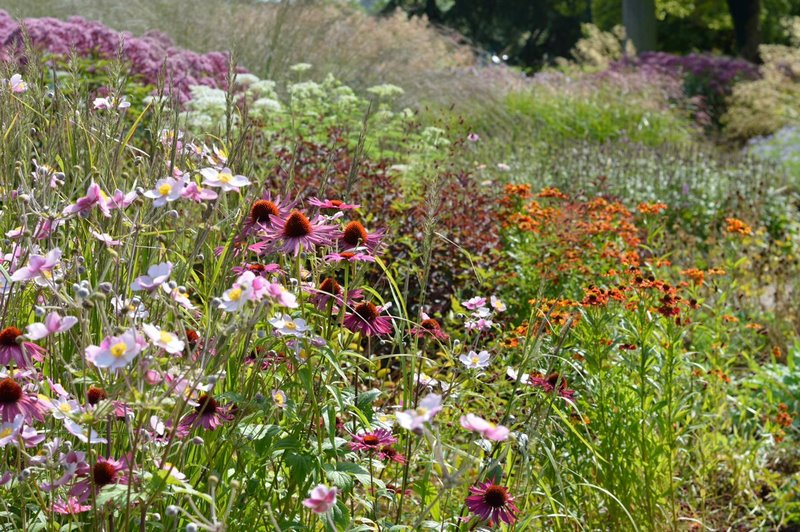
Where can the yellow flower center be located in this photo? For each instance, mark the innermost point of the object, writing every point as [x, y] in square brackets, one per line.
[279, 398]
[476, 361]
[291, 325]
[6, 432]
[225, 177]
[165, 189]
[65, 408]
[165, 337]
[118, 349]
[235, 294]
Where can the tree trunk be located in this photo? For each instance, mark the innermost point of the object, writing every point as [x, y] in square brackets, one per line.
[639, 18]
[746, 26]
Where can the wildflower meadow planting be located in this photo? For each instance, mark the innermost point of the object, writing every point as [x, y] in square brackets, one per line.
[235, 297]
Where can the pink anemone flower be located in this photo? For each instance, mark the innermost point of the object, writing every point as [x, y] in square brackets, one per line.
[71, 506]
[321, 499]
[485, 428]
[94, 196]
[41, 269]
[54, 323]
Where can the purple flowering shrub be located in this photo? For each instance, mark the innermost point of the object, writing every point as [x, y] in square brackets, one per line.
[707, 79]
[152, 56]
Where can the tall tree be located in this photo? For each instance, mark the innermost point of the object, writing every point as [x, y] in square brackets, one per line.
[746, 15]
[639, 18]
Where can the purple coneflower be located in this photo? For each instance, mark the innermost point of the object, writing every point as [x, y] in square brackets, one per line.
[366, 318]
[390, 453]
[492, 503]
[18, 352]
[355, 235]
[297, 231]
[94, 395]
[262, 270]
[372, 442]
[429, 327]
[349, 257]
[105, 471]
[329, 290]
[264, 212]
[14, 400]
[551, 382]
[207, 414]
[333, 204]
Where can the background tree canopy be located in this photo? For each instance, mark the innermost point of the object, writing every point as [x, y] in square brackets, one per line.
[534, 32]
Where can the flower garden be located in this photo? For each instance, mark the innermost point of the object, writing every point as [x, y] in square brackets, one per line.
[229, 301]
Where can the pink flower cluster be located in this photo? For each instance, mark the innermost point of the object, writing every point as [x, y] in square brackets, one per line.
[147, 54]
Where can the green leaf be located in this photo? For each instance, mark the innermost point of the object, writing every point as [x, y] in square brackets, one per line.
[341, 515]
[365, 400]
[116, 494]
[340, 479]
[259, 432]
[300, 466]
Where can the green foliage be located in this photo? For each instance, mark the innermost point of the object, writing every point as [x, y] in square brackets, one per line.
[598, 49]
[317, 112]
[556, 117]
[763, 106]
[691, 26]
